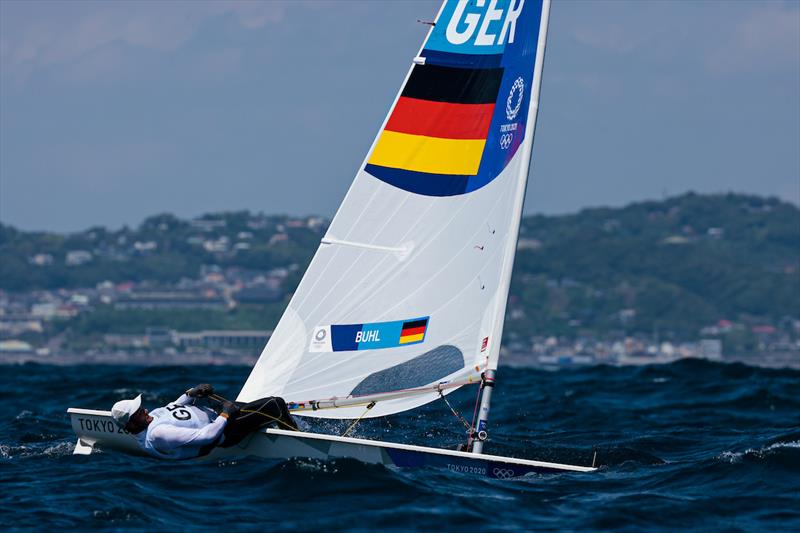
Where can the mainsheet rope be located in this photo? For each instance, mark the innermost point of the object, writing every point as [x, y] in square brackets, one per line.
[357, 420]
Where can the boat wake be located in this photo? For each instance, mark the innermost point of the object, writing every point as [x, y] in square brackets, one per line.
[43, 449]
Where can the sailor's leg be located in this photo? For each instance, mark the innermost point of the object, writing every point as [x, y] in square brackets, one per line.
[273, 409]
[287, 422]
[255, 415]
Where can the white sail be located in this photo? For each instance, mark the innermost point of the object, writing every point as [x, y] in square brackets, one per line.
[404, 299]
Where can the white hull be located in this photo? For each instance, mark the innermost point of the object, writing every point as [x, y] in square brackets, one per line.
[96, 428]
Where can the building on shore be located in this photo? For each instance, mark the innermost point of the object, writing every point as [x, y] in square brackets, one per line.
[221, 339]
[172, 299]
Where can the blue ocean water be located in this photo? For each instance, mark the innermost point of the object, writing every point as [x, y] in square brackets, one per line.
[693, 444]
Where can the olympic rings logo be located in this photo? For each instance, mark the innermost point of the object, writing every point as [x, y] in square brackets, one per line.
[519, 86]
[505, 140]
[503, 473]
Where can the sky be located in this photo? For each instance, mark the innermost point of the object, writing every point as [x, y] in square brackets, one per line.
[111, 112]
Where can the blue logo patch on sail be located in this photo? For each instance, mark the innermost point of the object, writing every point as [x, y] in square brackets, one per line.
[372, 336]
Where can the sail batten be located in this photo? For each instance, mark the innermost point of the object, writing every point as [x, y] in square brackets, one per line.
[405, 287]
[395, 249]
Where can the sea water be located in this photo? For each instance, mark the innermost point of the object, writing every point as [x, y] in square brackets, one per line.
[693, 444]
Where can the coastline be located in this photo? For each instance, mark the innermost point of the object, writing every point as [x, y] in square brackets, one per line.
[789, 359]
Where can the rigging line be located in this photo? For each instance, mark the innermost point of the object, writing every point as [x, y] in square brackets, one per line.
[278, 420]
[456, 413]
[357, 420]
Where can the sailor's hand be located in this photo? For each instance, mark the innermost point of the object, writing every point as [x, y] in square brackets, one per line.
[229, 410]
[200, 391]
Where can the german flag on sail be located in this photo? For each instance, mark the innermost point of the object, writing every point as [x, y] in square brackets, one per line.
[413, 331]
[437, 131]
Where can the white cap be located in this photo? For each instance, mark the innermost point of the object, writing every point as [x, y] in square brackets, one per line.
[124, 409]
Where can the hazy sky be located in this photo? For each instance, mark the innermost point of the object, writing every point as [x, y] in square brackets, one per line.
[114, 111]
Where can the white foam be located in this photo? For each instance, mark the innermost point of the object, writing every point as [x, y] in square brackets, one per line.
[777, 445]
[60, 449]
[731, 457]
[736, 457]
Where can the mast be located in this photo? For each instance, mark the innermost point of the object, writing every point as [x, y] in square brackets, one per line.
[480, 433]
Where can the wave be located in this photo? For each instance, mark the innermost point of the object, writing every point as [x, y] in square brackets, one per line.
[779, 451]
[657, 431]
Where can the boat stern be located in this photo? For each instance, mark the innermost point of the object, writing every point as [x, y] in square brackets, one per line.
[97, 428]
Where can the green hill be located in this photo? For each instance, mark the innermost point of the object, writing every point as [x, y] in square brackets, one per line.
[668, 267]
[674, 264]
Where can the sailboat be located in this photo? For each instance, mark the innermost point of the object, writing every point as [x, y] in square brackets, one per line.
[405, 298]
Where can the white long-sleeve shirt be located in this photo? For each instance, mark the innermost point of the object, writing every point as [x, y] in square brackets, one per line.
[180, 430]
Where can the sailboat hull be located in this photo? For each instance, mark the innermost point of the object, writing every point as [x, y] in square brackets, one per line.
[282, 444]
[96, 428]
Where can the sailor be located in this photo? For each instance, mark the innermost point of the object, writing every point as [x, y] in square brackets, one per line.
[184, 430]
